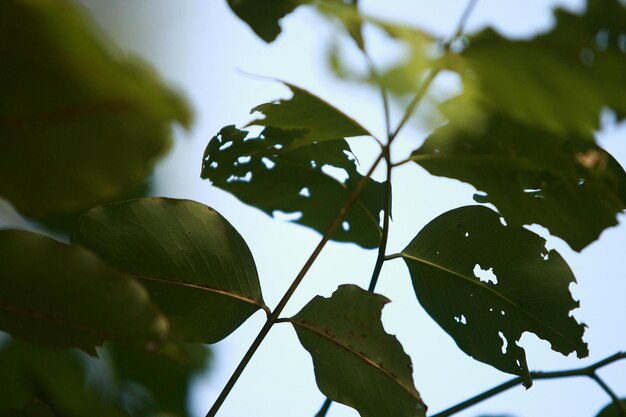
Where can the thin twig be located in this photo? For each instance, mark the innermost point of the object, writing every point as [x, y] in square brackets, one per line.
[588, 371]
[292, 288]
[324, 408]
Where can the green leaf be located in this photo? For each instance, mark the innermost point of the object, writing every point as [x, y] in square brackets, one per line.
[39, 382]
[72, 108]
[559, 80]
[356, 362]
[267, 173]
[195, 265]
[485, 284]
[164, 381]
[567, 184]
[263, 15]
[63, 296]
[612, 410]
[316, 119]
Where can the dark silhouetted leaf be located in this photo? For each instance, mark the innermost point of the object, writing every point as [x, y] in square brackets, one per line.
[72, 110]
[559, 80]
[164, 381]
[63, 296]
[356, 362]
[612, 410]
[263, 15]
[197, 268]
[315, 119]
[39, 382]
[485, 284]
[263, 172]
[567, 184]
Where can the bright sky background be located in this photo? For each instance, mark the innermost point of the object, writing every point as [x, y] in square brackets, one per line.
[200, 47]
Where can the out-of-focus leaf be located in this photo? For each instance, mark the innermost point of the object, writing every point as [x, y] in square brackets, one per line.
[197, 268]
[79, 124]
[612, 410]
[567, 184]
[63, 296]
[315, 119]
[265, 173]
[485, 284]
[356, 362]
[164, 380]
[39, 382]
[559, 80]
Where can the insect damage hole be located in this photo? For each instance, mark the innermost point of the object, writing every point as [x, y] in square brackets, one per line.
[505, 343]
[305, 192]
[286, 217]
[269, 164]
[339, 174]
[345, 226]
[485, 275]
[460, 319]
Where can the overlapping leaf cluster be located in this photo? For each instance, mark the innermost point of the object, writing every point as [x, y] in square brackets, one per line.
[143, 284]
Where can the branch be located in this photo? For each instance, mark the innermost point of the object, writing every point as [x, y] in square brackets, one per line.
[588, 371]
[292, 288]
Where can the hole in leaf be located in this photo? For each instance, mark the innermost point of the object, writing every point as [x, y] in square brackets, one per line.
[226, 145]
[345, 226]
[245, 178]
[269, 164]
[313, 164]
[286, 217]
[485, 275]
[502, 312]
[545, 256]
[505, 342]
[503, 222]
[602, 40]
[587, 57]
[305, 192]
[581, 181]
[243, 159]
[339, 174]
[460, 319]
[213, 165]
[466, 234]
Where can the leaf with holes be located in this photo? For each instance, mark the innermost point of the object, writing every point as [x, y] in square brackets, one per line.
[263, 172]
[197, 268]
[567, 184]
[316, 120]
[356, 362]
[612, 410]
[72, 108]
[64, 296]
[585, 54]
[485, 284]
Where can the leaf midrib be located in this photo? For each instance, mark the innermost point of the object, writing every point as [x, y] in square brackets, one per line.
[190, 285]
[361, 356]
[484, 287]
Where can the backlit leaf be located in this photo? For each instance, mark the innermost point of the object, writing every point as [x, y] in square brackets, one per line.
[486, 284]
[612, 410]
[267, 173]
[195, 265]
[356, 362]
[71, 110]
[64, 296]
[559, 80]
[316, 119]
[567, 184]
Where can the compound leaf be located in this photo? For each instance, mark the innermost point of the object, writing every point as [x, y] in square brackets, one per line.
[485, 284]
[195, 265]
[270, 174]
[64, 296]
[72, 108]
[356, 362]
[559, 80]
[567, 184]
